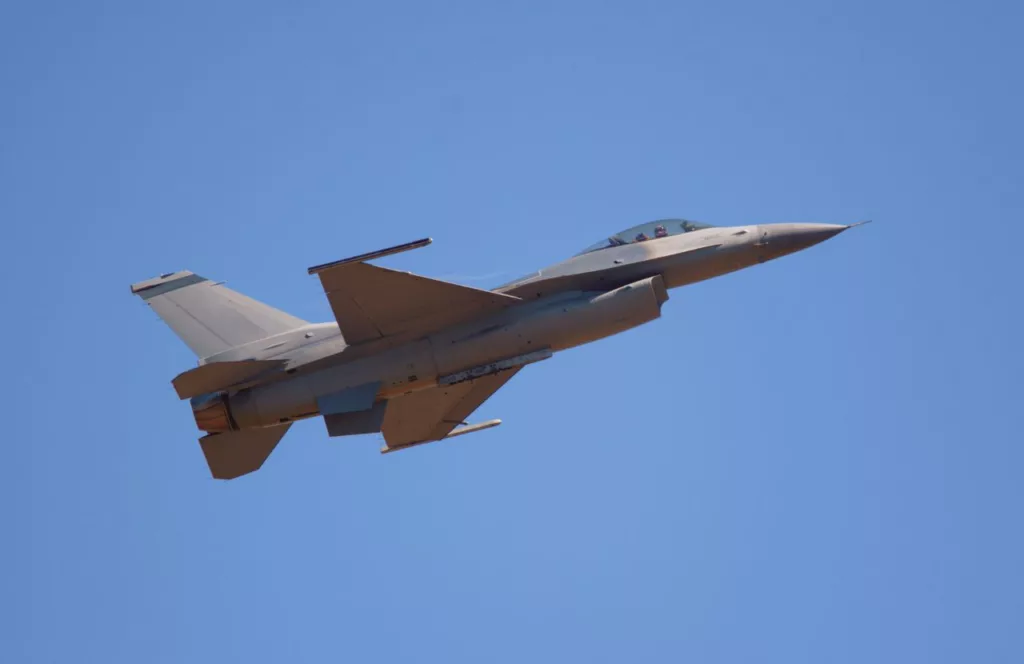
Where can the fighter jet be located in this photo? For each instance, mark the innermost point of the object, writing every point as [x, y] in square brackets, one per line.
[411, 357]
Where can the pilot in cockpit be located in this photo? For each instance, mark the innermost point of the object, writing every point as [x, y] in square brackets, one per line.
[641, 237]
[659, 231]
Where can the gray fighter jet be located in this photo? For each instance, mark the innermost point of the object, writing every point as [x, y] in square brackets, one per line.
[412, 357]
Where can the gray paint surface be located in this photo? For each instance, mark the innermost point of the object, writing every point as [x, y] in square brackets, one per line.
[211, 318]
[399, 339]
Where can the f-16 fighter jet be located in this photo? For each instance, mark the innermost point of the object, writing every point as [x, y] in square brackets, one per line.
[412, 357]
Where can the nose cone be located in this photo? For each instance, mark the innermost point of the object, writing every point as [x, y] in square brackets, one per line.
[782, 239]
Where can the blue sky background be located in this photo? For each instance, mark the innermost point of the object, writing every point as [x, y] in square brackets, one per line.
[814, 460]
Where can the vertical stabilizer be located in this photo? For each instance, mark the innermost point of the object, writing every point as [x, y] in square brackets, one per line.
[209, 317]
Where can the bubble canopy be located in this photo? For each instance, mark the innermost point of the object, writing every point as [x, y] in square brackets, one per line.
[652, 230]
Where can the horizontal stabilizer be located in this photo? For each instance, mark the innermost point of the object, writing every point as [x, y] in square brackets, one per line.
[238, 453]
[217, 376]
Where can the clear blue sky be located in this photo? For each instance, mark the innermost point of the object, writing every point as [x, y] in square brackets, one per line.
[814, 460]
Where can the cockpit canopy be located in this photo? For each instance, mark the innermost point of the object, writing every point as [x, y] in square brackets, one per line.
[652, 230]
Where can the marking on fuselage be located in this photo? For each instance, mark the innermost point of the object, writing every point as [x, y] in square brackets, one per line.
[495, 367]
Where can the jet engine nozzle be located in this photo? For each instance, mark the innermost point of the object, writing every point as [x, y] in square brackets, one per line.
[212, 413]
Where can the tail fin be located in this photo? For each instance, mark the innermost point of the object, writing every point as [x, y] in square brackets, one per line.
[208, 317]
[236, 453]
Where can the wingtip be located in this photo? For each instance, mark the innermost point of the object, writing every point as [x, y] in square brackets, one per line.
[416, 244]
[165, 283]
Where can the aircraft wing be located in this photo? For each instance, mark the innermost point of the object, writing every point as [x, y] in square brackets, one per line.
[431, 414]
[371, 302]
[216, 376]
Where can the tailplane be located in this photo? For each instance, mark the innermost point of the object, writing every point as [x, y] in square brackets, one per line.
[236, 453]
[209, 317]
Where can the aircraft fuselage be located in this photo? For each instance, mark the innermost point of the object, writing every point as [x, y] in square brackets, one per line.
[583, 299]
[411, 357]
